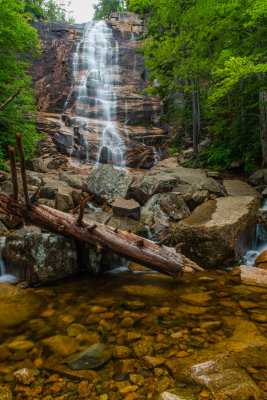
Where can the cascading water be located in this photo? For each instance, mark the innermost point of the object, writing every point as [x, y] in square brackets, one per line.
[260, 240]
[7, 278]
[94, 97]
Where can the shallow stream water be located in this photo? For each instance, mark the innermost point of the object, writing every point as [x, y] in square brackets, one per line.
[138, 316]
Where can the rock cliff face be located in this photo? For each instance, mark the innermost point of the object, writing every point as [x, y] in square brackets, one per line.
[67, 91]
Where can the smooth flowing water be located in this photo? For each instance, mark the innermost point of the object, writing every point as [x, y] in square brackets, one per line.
[95, 77]
[260, 240]
[3, 276]
[154, 327]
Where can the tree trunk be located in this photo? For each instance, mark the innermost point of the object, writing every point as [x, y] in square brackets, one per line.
[263, 123]
[125, 244]
[194, 109]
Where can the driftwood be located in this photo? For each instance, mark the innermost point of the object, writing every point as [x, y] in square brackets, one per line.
[143, 251]
[10, 99]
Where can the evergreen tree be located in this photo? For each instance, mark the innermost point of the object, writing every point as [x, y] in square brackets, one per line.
[209, 56]
[105, 8]
[18, 40]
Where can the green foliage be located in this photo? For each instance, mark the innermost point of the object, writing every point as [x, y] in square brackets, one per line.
[214, 52]
[50, 10]
[18, 40]
[106, 7]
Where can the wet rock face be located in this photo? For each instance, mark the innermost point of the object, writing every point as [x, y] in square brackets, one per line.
[137, 115]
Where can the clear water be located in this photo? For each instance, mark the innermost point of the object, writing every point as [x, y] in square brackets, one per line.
[189, 320]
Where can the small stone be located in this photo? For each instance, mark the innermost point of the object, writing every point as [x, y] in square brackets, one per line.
[142, 348]
[19, 344]
[169, 396]
[24, 376]
[262, 258]
[93, 357]
[137, 379]
[182, 354]
[126, 208]
[5, 393]
[154, 361]
[103, 397]
[128, 389]
[127, 322]
[247, 304]
[163, 384]
[62, 345]
[121, 352]
[196, 299]
[211, 325]
[133, 336]
[84, 389]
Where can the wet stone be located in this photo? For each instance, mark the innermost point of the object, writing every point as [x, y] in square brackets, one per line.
[121, 352]
[142, 348]
[24, 376]
[93, 357]
[5, 393]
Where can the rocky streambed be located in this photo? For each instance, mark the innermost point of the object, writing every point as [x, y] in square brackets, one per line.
[135, 334]
[142, 336]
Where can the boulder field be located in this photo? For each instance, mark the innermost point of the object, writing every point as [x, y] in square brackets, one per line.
[211, 221]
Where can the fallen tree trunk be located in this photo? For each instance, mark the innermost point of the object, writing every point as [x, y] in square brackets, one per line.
[157, 257]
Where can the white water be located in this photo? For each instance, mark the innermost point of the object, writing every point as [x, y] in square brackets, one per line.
[259, 244]
[95, 77]
[4, 278]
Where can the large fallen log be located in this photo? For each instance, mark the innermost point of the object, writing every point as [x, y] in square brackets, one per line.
[143, 251]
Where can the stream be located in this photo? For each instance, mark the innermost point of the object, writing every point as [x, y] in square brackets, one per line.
[149, 322]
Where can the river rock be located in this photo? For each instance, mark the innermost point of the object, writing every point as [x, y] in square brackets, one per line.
[61, 345]
[253, 276]
[214, 187]
[170, 396]
[261, 259]
[37, 165]
[259, 177]
[235, 187]
[3, 176]
[128, 224]
[5, 393]
[37, 257]
[143, 189]
[35, 178]
[24, 376]
[164, 208]
[93, 357]
[64, 200]
[107, 183]
[3, 229]
[184, 175]
[219, 231]
[126, 208]
[71, 180]
[7, 188]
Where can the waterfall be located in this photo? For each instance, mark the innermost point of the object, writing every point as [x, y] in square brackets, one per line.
[260, 239]
[4, 278]
[93, 99]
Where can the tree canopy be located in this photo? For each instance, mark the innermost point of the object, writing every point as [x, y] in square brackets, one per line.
[104, 8]
[18, 40]
[209, 61]
[49, 10]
